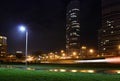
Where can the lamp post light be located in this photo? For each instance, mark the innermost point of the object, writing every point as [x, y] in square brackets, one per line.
[118, 49]
[91, 51]
[23, 29]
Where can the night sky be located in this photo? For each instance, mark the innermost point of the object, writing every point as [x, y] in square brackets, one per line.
[45, 20]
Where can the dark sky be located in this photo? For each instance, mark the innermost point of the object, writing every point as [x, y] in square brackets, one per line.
[45, 20]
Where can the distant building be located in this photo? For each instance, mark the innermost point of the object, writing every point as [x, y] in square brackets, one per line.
[73, 28]
[3, 46]
[19, 54]
[109, 34]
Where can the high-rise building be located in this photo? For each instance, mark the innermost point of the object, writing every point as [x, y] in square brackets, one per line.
[3, 46]
[109, 34]
[73, 28]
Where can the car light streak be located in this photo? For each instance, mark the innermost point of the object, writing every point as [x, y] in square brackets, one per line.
[90, 61]
[106, 60]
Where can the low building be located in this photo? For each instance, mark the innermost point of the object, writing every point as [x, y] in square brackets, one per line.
[3, 46]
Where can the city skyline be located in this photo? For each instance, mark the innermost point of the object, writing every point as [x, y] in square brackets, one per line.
[46, 23]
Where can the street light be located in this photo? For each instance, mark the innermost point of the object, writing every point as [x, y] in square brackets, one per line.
[118, 49]
[23, 29]
[91, 51]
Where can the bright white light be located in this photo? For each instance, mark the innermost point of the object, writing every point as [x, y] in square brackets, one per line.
[22, 28]
[91, 61]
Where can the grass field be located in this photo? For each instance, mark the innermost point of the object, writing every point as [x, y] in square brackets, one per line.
[41, 75]
[27, 75]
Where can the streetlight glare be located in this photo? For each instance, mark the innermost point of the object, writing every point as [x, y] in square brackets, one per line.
[22, 28]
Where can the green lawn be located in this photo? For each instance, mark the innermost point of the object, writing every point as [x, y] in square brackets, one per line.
[28, 75]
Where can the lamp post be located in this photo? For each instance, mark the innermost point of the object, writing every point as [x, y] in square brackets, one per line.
[23, 29]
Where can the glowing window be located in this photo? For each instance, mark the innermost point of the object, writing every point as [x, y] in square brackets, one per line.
[104, 48]
[111, 26]
[112, 32]
[104, 31]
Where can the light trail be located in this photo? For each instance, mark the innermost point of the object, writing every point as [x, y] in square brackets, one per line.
[106, 60]
[90, 61]
[113, 60]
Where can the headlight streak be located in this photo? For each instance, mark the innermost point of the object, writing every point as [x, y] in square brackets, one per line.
[106, 60]
[90, 61]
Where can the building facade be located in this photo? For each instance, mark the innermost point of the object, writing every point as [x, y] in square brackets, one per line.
[3, 46]
[73, 28]
[109, 34]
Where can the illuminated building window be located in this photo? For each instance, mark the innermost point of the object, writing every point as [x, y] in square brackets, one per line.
[107, 40]
[77, 30]
[73, 43]
[104, 30]
[108, 21]
[73, 16]
[72, 13]
[77, 26]
[70, 34]
[112, 32]
[104, 48]
[74, 38]
[111, 26]
[66, 46]
[74, 33]
[75, 9]
[69, 11]
[67, 28]
[74, 21]
[104, 43]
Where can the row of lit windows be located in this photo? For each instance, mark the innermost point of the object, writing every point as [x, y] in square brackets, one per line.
[67, 28]
[74, 34]
[2, 37]
[72, 16]
[73, 44]
[108, 43]
[75, 9]
[111, 31]
[104, 42]
[77, 26]
[109, 22]
[77, 30]
[3, 42]
[75, 38]
[73, 13]
[75, 23]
